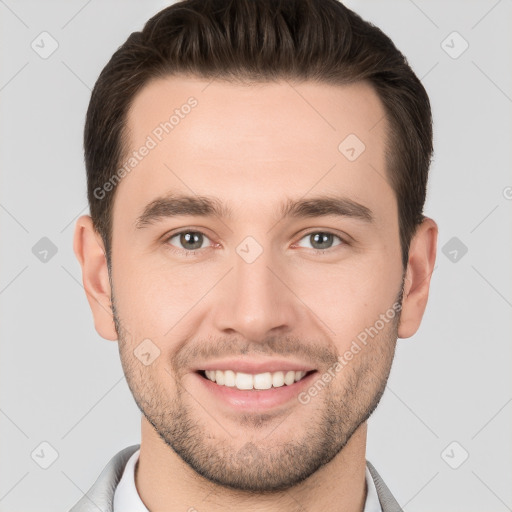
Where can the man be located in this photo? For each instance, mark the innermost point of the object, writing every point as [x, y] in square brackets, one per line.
[256, 176]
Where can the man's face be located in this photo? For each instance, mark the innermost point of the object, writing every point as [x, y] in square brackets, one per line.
[256, 285]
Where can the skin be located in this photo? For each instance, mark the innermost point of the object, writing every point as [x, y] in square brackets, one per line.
[252, 146]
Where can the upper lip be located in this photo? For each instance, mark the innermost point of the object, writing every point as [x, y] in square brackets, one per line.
[255, 367]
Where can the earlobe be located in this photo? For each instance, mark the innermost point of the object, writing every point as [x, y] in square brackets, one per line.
[90, 252]
[422, 257]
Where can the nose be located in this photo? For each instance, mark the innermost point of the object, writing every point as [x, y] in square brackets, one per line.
[255, 301]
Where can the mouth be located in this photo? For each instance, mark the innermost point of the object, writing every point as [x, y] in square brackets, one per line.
[247, 392]
[255, 382]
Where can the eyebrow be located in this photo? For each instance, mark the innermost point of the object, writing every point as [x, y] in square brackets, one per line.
[174, 205]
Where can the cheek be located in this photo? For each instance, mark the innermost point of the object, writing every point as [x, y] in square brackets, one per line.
[151, 298]
[349, 297]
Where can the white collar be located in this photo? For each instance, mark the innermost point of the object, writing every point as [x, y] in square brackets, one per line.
[126, 496]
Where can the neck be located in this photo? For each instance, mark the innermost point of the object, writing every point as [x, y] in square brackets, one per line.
[166, 483]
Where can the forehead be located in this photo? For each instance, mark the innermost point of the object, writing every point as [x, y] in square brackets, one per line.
[238, 141]
[309, 111]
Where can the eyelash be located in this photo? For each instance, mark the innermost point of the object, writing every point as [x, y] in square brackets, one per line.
[187, 253]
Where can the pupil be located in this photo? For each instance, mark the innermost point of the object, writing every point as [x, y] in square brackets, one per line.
[194, 236]
[322, 239]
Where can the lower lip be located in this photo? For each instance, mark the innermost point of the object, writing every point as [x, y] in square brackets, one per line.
[256, 399]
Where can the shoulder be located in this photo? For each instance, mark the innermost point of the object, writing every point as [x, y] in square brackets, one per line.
[386, 499]
[101, 494]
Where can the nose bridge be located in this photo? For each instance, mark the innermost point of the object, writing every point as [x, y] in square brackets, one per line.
[255, 302]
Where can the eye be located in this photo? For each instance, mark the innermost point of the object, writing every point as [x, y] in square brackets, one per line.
[190, 241]
[322, 240]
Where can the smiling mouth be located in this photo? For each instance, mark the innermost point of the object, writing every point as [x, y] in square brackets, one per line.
[254, 382]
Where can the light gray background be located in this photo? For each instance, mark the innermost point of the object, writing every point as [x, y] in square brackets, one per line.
[64, 385]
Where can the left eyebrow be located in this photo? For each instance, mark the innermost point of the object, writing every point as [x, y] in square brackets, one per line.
[324, 205]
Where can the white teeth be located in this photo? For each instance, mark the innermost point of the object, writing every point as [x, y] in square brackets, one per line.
[263, 381]
[229, 378]
[289, 378]
[246, 381]
[278, 379]
[242, 380]
[219, 377]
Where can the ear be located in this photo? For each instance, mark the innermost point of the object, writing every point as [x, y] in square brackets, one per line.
[90, 252]
[422, 257]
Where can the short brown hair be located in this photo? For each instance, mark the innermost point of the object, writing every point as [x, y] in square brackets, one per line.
[261, 41]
